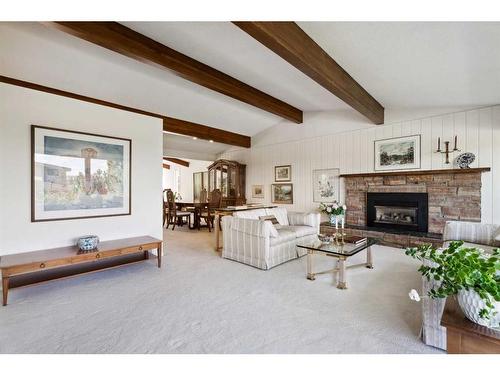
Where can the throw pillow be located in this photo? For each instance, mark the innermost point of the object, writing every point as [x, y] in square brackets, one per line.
[271, 218]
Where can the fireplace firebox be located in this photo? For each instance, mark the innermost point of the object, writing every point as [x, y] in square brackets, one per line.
[398, 211]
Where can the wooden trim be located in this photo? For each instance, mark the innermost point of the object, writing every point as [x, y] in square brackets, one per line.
[166, 166]
[33, 219]
[127, 42]
[169, 123]
[289, 41]
[205, 132]
[177, 161]
[418, 172]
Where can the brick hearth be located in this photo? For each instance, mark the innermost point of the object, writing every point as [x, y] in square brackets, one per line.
[452, 196]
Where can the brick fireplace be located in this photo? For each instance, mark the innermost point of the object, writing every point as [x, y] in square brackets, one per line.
[451, 194]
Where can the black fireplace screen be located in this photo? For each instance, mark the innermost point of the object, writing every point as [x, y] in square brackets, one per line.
[398, 211]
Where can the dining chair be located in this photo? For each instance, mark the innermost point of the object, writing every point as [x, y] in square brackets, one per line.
[173, 215]
[208, 213]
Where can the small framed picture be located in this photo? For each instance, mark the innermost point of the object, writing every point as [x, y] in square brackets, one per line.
[257, 191]
[283, 173]
[282, 193]
[397, 153]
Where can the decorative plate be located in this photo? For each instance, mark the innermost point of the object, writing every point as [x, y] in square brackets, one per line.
[465, 160]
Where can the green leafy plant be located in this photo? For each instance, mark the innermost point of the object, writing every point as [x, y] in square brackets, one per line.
[459, 267]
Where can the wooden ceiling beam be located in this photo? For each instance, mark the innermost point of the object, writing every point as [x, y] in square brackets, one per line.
[121, 39]
[177, 161]
[208, 133]
[289, 41]
[170, 124]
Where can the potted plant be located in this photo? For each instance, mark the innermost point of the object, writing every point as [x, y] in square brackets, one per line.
[334, 210]
[469, 273]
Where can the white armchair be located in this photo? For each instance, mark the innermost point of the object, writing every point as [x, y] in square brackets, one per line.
[259, 243]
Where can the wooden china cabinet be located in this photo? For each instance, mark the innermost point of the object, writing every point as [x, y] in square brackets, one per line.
[229, 177]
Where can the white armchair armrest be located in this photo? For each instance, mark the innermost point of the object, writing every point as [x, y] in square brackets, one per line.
[470, 232]
[301, 218]
[253, 227]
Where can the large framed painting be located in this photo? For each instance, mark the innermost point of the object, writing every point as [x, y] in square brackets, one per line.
[326, 185]
[78, 175]
[283, 173]
[282, 193]
[397, 153]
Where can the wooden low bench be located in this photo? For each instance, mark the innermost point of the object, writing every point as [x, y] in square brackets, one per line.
[37, 266]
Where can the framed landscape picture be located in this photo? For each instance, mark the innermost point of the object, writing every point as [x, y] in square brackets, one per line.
[282, 193]
[257, 191]
[283, 173]
[326, 185]
[397, 153]
[78, 175]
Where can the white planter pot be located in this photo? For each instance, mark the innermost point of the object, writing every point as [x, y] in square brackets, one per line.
[471, 304]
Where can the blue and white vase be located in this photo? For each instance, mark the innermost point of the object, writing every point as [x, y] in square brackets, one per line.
[88, 243]
[334, 219]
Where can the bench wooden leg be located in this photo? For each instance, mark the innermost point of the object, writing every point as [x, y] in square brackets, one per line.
[160, 246]
[5, 289]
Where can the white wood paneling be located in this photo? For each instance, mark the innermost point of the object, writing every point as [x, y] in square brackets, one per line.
[478, 132]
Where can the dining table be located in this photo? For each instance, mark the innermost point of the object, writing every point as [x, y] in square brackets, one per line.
[194, 207]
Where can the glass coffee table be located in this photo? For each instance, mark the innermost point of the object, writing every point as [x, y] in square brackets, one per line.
[340, 250]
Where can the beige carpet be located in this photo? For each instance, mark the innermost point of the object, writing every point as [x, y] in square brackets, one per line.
[200, 303]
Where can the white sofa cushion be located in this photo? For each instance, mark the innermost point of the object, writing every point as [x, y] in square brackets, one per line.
[251, 214]
[284, 235]
[280, 213]
[302, 230]
[258, 228]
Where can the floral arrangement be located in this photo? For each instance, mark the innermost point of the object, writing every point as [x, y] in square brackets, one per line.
[333, 208]
[460, 268]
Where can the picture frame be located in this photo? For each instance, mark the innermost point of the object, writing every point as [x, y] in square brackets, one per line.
[283, 173]
[399, 153]
[282, 193]
[78, 175]
[326, 185]
[258, 191]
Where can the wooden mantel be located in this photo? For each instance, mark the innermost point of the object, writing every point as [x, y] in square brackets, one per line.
[418, 172]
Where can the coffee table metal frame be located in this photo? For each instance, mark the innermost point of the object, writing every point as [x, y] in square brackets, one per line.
[341, 251]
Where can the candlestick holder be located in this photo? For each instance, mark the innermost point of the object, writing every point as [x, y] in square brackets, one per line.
[447, 150]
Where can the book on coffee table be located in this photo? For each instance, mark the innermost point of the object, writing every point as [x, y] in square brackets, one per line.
[354, 239]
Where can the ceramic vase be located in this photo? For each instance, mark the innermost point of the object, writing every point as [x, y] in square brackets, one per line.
[471, 304]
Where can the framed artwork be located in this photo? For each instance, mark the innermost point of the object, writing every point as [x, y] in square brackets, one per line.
[257, 191]
[283, 173]
[397, 153]
[326, 185]
[282, 193]
[78, 175]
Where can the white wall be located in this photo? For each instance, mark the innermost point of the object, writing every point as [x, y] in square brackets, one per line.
[186, 176]
[307, 147]
[20, 108]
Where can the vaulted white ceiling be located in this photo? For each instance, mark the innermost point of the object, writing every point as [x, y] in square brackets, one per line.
[403, 65]
[417, 64]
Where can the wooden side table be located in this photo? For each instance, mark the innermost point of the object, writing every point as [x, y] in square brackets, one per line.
[466, 337]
